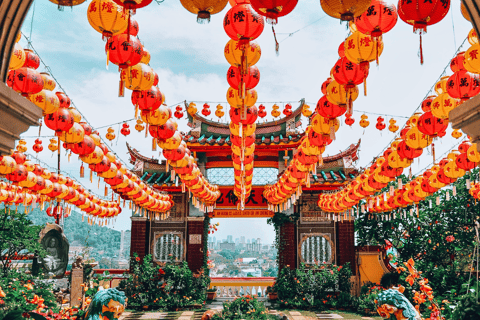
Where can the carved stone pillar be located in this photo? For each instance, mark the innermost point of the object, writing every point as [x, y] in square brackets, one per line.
[76, 288]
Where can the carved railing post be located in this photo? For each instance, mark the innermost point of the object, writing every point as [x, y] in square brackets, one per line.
[76, 286]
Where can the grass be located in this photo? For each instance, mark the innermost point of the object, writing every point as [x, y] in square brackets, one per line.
[351, 315]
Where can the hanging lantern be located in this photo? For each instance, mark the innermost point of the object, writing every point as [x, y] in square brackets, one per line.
[427, 103]
[349, 121]
[325, 126]
[48, 81]
[53, 146]
[163, 132]
[405, 151]
[242, 23]
[472, 59]
[472, 37]
[250, 115]
[139, 126]
[17, 60]
[110, 134]
[219, 113]
[206, 110]
[37, 147]
[145, 57]
[148, 100]
[178, 112]
[191, 108]
[456, 134]
[25, 81]
[157, 117]
[442, 105]
[306, 112]
[204, 8]
[32, 60]
[463, 85]
[77, 117]
[362, 49]
[67, 3]
[249, 79]
[345, 10]
[234, 50]
[272, 10]
[364, 121]
[73, 135]
[275, 113]
[329, 110]
[341, 50]
[378, 19]
[348, 73]
[341, 95]
[392, 127]
[124, 51]
[137, 77]
[235, 100]
[60, 120]
[132, 28]
[261, 111]
[380, 124]
[456, 64]
[63, 99]
[416, 139]
[22, 146]
[107, 17]
[84, 147]
[421, 14]
[287, 111]
[45, 100]
[431, 125]
[125, 129]
[325, 85]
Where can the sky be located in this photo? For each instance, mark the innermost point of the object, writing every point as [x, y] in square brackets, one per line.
[189, 60]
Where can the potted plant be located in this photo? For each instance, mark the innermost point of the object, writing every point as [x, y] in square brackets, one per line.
[272, 295]
[211, 293]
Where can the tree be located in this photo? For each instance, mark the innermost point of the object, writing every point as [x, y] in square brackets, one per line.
[18, 235]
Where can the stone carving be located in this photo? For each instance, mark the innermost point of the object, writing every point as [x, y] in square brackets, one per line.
[107, 304]
[393, 302]
[56, 245]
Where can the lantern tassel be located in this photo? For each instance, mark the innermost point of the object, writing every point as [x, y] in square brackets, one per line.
[121, 88]
[91, 176]
[136, 110]
[421, 49]
[154, 144]
[82, 171]
[365, 86]
[376, 53]
[277, 45]
[108, 57]
[433, 152]
[106, 191]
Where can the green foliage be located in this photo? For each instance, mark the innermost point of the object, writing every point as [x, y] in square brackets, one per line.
[278, 220]
[23, 293]
[171, 287]
[366, 300]
[318, 286]
[468, 307]
[18, 235]
[246, 307]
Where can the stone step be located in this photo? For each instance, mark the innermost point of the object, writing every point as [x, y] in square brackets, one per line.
[329, 316]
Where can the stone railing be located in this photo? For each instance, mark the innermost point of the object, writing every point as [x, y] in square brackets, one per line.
[234, 287]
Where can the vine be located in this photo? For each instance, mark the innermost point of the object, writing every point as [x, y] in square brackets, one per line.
[278, 220]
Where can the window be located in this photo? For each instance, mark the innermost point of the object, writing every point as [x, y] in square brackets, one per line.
[166, 244]
[316, 248]
[225, 176]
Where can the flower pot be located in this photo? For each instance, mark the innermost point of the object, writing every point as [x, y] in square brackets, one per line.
[272, 295]
[211, 295]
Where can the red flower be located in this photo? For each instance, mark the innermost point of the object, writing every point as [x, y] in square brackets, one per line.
[137, 259]
[161, 271]
[450, 238]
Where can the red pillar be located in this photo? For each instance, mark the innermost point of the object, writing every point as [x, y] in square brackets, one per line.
[346, 244]
[195, 243]
[287, 252]
[139, 236]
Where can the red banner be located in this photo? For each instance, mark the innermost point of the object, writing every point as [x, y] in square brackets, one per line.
[234, 213]
[228, 200]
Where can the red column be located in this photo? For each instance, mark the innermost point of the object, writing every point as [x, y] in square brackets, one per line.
[195, 243]
[139, 236]
[346, 244]
[287, 252]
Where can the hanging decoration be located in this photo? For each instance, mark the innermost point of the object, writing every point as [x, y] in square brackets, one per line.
[139, 125]
[206, 110]
[393, 127]
[380, 124]
[106, 17]
[204, 8]
[262, 113]
[37, 147]
[345, 10]
[218, 112]
[125, 129]
[364, 121]
[178, 112]
[272, 10]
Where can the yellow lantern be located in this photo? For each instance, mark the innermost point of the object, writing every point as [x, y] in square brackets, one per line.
[7, 165]
[192, 108]
[306, 110]
[471, 60]
[139, 126]
[441, 85]
[93, 158]
[416, 139]
[96, 139]
[345, 10]
[158, 117]
[77, 117]
[22, 146]
[395, 161]
[145, 57]
[74, 135]
[364, 121]
[418, 191]
[171, 143]
[275, 112]
[393, 127]
[107, 17]
[234, 50]
[340, 95]
[442, 105]
[48, 187]
[452, 171]
[235, 100]
[362, 49]
[110, 134]
[472, 37]
[219, 113]
[456, 134]
[48, 81]
[53, 146]
[137, 77]
[247, 130]
[45, 100]
[18, 57]
[204, 8]
[325, 126]
[30, 181]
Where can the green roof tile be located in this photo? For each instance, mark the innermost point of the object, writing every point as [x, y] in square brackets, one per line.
[334, 177]
[159, 178]
[144, 175]
[151, 177]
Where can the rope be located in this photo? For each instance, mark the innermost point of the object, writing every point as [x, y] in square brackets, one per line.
[308, 25]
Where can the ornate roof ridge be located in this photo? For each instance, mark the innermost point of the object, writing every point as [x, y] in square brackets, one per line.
[134, 154]
[352, 149]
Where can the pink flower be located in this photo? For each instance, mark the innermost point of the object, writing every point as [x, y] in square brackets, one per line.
[331, 271]
[450, 238]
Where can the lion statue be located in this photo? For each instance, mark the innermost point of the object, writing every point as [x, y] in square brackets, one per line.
[106, 304]
[391, 303]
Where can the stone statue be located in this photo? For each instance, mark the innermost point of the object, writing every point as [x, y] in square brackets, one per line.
[107, 304]
[56, 246]
[393, 304]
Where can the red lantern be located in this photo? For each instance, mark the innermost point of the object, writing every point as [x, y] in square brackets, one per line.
[84, 147]
[133, 4]
[463, 163]
[272, 9]
[149, 100]
[178, 112]
[348, 73]
[380, 124]
[457, 63]
[405, 152]
[341, 53]
[261, 111]
[60, 120]
[349, 121]
[242, 23]
[86, 127]
[64, 99]
[25, 80]
[132, 28]
[328, 81]
[430, 125]
[125, 129]
[19, 174]
[206, 110]
[174, 154]
[124, 51]
[237, 141]
[378, 19]
[421, 13]
[100, 167]
[37, 147]
[287, 110]
[427, 103]
[463, 85]
[250, 79]
[164, 131]
[329, 110]
[31, 59]
[317, 139]
[19, 157]
[237, 113]
[156, 79]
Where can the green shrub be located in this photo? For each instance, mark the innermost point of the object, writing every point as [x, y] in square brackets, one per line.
[246, 307]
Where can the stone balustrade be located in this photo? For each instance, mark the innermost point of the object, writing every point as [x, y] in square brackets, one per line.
[235, 287]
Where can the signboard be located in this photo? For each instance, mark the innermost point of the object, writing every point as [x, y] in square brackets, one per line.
[234, 213]
[229, 200]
